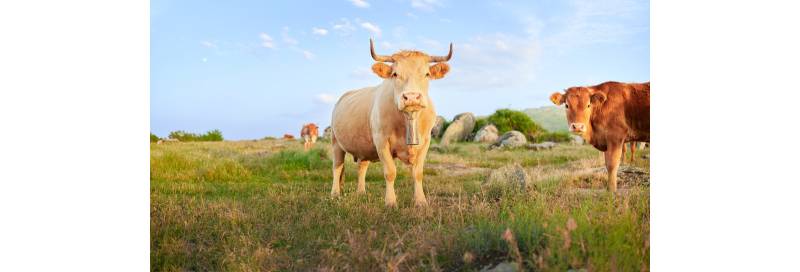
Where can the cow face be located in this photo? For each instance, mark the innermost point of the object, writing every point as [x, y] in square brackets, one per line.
[409, 75]
[579, 102]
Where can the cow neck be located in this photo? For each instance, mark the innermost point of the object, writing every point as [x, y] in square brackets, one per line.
[598, 114]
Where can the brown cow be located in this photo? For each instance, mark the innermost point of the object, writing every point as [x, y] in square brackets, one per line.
[309, 133]
[391, 120]
[607, 116]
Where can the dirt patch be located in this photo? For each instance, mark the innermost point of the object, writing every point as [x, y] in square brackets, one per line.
[627, 176]
[455, 169]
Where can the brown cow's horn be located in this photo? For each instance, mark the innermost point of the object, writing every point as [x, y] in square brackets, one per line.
[443, 58]
[377, 57]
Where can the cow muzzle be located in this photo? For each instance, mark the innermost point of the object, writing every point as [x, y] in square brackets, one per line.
[411, 101]
[577, 128]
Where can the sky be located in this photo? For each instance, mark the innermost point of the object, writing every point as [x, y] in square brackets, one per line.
[264, 68]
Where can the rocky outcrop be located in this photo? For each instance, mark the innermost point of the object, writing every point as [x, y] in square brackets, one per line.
[438, 127]
[511, 139]
[487, 134]
[459, 129]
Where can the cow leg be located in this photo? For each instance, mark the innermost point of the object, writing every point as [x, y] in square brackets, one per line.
[633, 151]
[613, 157]
[624, 151]
[416, 174]
[363, 165]
[389, 172]
[338, 170]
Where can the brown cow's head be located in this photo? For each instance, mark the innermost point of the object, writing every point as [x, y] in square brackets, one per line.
[579, 102]
[410, 74]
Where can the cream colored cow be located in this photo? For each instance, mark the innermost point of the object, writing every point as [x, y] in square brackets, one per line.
[388, 121]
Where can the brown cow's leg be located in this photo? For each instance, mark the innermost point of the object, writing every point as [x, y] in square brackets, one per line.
[389, 172]
[633, 151]
[613, 157]
[338, 170]
[416, 174]
[363, 165]
[624, 151]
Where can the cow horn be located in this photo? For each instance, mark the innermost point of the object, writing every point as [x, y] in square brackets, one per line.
[377, 57]
[443, 58]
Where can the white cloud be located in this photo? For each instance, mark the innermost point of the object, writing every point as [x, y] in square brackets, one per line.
[266, 40]
[325, 98]
[343, 27]
[360, 3]
[493, 62]
[319, 31]
[426, 5]
[308, 55]
[208, 44]
[372, 28]
[597, 22]
[411, 15]
[286, 38]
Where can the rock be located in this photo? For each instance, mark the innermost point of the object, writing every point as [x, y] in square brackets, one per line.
[459, 129]
[501, 267]
[510, 139]
[541, 146]
[512, 176]
[487, 134]
[326, 134]
[438, 127]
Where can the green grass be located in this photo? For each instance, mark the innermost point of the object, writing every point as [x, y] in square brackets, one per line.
[265, 205]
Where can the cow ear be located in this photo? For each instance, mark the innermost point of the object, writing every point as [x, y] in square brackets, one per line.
[382, 70]
[557, 98]
[598, 98]
[439, 70]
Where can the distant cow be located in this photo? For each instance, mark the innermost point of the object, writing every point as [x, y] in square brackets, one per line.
[634, 146]
[309, 133]
[607, 116]
[391, 120]
[288, 137]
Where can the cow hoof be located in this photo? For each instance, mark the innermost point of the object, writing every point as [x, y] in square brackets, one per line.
[361, 191]
[392, 205]
[421, 203]
[334, 194]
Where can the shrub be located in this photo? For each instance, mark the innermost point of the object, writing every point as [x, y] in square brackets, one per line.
[153, 138]
[558, 136]
[507, 120]
[210, 136]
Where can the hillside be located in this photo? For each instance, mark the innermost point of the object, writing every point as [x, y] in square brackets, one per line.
[551, 118]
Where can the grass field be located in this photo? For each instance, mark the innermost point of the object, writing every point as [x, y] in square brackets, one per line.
[265, 205]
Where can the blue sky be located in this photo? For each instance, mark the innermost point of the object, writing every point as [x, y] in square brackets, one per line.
[263, 68]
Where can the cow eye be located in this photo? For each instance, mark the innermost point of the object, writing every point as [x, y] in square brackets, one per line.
[394, 74]
[589, 106]
[427, 74]
[566, 105]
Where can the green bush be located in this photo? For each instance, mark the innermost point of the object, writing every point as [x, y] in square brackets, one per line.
[210, 136]
[558, 136]
[507, 120]
[153, 138]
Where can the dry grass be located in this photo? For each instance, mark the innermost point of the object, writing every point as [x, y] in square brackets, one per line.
[264, 205]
